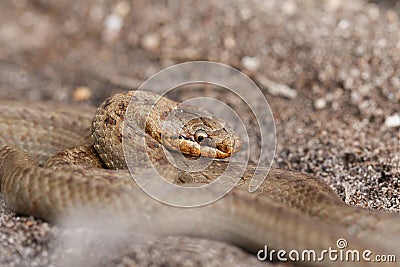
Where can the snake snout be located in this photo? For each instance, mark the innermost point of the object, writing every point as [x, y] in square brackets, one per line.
[229, 145]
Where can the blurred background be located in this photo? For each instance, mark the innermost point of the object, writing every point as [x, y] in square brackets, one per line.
[335, 52]
[329, 69]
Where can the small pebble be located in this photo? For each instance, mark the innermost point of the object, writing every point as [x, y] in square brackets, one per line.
[229, 42]
[113, 22]
[320, 103]
[96, 13]
[251, 63]
[289, 8]
[112, 26]
[277, 88]
[333, 5]
[151, 42]
[122, 8]
[81, 93]
[349, 157]
[245, 14]
[393, 121]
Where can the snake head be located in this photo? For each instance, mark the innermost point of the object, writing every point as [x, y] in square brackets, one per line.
[195, 132]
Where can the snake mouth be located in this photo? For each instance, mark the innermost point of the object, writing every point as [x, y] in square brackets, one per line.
[212, 152]
[201, 144]
[206, 148]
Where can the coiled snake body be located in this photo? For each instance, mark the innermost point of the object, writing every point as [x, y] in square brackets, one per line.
[290, 210]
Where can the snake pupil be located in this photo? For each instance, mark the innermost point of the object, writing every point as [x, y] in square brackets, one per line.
[200, 135]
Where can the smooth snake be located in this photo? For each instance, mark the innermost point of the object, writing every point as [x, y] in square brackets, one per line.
[290, 211]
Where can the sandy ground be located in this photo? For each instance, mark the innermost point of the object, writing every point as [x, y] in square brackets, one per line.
[339, 59]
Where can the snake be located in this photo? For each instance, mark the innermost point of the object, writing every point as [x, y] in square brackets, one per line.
[57, 161]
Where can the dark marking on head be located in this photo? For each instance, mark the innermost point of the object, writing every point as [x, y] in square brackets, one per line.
[164, 115]
[107, 102]
[122, 106]
[110, 121]
[120, 116]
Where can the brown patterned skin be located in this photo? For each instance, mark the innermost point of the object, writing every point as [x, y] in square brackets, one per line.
[290, 210]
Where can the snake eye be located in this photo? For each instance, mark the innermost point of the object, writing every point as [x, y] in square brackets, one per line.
[200, 135]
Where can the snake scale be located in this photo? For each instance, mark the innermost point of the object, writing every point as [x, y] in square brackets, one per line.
[289, 211]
